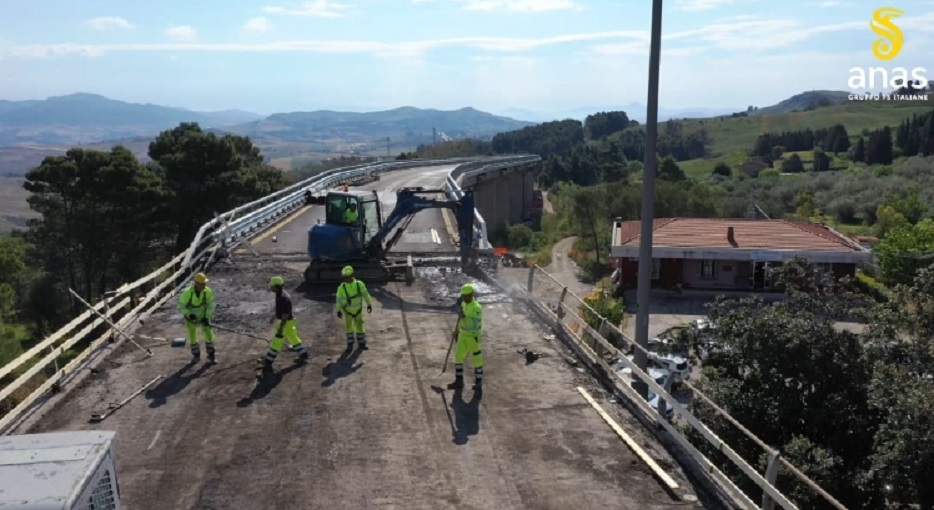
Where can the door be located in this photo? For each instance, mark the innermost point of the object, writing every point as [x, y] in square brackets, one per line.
[370, 219]
[759, 275]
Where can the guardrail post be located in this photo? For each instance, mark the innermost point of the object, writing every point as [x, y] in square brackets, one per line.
[564, 294]
[531, 277]
[771, 475]
[107, 297]
[662, 406]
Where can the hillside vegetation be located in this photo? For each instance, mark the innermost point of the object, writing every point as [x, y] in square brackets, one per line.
[865, 168]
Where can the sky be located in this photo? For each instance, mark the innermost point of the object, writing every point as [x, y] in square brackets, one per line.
[543, 56]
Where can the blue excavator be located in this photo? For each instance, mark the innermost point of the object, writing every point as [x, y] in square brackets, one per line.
[355, 234]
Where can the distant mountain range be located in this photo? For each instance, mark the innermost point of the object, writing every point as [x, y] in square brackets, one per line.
[635, 111]
[32, 130]
[87, 118]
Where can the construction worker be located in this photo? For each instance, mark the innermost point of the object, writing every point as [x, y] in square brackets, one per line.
[285, 326]
[350, 214]
[469, 325]
[197, 307]
[350, 297]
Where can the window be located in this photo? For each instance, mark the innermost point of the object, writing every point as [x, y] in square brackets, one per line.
[337, 206]
[656, 268]
[708, 269]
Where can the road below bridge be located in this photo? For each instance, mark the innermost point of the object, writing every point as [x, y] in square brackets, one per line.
[370, 430]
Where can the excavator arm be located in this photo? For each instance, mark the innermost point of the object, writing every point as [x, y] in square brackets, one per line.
[408, 203]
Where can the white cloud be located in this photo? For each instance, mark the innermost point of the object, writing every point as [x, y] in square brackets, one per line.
[520, 5]
[702, 5]
[182, 33]
[397, 49]
[318, 8]
[760, 34]
[513, 5]
[258, 25]
[110, 23]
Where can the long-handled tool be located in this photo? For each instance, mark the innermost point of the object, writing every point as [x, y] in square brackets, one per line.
[231, 330]
[112, 325]
[453, 340]
[99, 417]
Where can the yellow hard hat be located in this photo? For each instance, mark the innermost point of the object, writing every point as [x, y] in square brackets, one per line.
[347, 271]
[467, 289]
[201, 278]
[276, 281]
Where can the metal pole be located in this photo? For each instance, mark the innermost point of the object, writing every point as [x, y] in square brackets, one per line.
[643, 292]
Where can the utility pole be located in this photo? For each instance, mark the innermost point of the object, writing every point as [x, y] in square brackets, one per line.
[644, 292]
[434, 136]
[388, 154]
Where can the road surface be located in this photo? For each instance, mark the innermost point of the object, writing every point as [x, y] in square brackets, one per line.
[566, 270]
[371, 430]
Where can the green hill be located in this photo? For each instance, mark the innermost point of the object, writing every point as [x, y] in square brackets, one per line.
[732, 137]
[805, 101]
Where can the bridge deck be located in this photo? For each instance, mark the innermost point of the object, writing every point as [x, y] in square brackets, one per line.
[373, 431]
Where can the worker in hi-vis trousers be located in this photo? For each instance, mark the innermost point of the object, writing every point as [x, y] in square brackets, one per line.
[469, 325]
[197, 307]
[285, 326]
[350, 297]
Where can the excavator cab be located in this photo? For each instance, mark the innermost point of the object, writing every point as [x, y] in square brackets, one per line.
[352, 219]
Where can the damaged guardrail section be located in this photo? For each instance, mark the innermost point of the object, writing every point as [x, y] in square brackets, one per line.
[567, 313]
[36, 373]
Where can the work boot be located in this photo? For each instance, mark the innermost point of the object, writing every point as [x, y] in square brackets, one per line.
[457, 384]
[212, 359]
[478, 384]
[302, 358]
[362, 346]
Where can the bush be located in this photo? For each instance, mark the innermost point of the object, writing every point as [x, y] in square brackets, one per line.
[871, 287]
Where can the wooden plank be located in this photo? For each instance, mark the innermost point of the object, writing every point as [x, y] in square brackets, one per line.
[642, 454]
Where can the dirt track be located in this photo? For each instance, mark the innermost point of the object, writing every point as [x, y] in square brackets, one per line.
[372, 431]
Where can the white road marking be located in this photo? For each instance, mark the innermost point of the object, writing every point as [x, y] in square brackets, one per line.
[435, 237]
[154, 439]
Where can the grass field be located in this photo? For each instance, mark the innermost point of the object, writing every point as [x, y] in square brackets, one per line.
[733, 137]
[14, 211]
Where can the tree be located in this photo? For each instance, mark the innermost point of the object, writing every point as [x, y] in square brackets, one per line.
[793, 164]
[821, 161]
[100, 217]
[902, 350]
[887, 218]
[797, 382]
[206, 174]
[859, 152]
[723, 169]
[905, 249]
[669, 170]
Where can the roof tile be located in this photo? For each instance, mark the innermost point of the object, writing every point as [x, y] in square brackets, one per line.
[747, 233]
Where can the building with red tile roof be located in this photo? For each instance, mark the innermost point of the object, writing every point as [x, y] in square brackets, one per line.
[730, 253]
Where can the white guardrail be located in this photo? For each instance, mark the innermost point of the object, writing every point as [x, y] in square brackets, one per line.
[37, 371]
[567, 314]
[136, 300]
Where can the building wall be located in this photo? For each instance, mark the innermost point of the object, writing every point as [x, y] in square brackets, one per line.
[729, 274]
[725, 275]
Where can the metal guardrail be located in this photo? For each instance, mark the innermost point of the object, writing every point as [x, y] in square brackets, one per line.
[134, 301]
[552, 301]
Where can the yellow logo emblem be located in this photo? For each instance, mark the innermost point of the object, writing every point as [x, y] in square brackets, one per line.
[889, 45]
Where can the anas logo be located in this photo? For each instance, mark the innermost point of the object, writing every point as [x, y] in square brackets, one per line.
[891, 39]
[885, 48]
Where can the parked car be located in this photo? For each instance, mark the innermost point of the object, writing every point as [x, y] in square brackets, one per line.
[678, 366]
